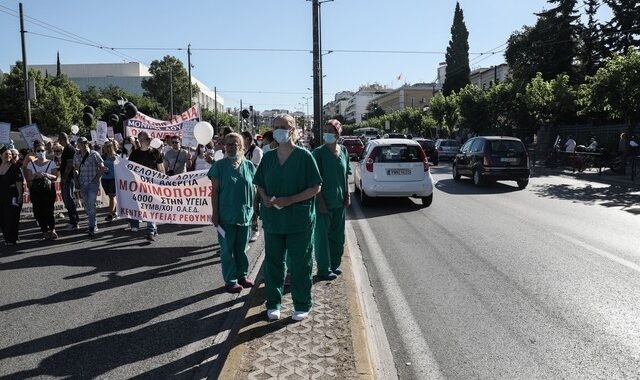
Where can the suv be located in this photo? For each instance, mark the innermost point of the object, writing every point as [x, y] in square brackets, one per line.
[492, 158]
[354, 146]
[447, 148]
[393, 168]
[430, 150]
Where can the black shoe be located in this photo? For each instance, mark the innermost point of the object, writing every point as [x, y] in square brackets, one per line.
[337, 271]
[328, 277]
[109, 218]
[150, 237]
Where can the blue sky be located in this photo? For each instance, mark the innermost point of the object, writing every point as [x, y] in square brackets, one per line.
[270, 79]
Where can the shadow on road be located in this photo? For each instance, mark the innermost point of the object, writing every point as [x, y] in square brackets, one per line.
[608, 196]
[379, 207]
[466, 187]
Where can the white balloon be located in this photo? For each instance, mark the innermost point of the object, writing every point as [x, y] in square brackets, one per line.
[75, 129]
[218, 155]
[203, 132]
[156, 143]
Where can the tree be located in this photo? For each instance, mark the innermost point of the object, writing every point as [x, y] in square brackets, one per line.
[474, 109]
[222, 120]
[164, 72]
[438, 108]
[591, 50]
[615, 89]
[509, 114]
[624, 28]
[374, 110]
[457, 57]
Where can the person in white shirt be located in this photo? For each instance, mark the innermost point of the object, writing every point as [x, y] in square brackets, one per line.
[203, 159]
[570, 145]
[593, 145]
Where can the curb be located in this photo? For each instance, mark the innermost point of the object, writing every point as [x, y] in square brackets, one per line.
[588, 177]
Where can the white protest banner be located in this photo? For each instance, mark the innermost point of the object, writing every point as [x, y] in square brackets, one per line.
[94, 136]
[160, 128]
[148, 195]
[5, 133]
[188, 139]
[101, 133]
[118, 137]
[30, 133]
[102, 200]
[110, 132]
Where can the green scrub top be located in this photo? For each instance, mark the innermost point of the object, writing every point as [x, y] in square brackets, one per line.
[235, 191]
[298, 173]
[334, 171]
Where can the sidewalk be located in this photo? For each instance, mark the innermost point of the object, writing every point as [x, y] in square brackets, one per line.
[607, 176]
[330, 343]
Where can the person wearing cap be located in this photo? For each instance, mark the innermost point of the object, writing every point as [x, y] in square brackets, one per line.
[89, 167]
[66, 180]
[288, 180]
[333, 162]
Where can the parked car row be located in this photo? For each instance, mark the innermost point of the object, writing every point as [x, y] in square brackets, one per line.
[400, 167]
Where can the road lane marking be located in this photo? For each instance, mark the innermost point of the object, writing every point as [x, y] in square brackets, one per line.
[598, 251]
[421, 357]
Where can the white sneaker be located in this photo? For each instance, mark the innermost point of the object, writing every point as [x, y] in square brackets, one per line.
[254, 236]
[273, 314]
[299, 315]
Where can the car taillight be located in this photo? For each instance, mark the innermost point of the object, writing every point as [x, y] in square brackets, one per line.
[423, 158]
[371, 160]
[487, 160]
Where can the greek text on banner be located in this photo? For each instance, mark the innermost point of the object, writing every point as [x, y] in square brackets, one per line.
[148, 195]
[160, 128]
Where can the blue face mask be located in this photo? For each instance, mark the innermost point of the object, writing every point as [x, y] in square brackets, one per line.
[281, 135]
[233, 157]
[329, 138]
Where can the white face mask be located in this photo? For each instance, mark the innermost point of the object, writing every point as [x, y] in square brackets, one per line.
[281, 135]
[128, 147]
[266, 148]
[41, 155]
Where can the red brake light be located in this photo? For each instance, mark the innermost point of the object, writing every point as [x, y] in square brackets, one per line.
[423, 158]
[487, 160]
[371, 160]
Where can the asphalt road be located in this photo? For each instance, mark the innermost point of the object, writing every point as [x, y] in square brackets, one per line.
[494, 282]
[115, 307]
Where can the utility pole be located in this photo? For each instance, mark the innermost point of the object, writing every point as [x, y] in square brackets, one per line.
[215, 106]
[317, 75]
[171, 90]
[25, 69]
[189, 64]
[240, 115]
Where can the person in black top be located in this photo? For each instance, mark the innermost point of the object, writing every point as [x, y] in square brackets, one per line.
[151, 158]
[66, 180]
[11, 188]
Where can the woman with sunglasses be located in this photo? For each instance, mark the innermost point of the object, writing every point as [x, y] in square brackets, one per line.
[232, 202]
[41, 176]
[288, 181]
[10, 198]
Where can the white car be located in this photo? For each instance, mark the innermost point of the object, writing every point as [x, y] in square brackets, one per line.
[393, 168]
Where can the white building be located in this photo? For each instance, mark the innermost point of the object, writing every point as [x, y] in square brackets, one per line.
[357, 104]
[484, 78]
[127, 76]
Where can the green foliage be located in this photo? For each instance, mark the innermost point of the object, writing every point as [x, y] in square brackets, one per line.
[373, 110]
[475, 114]
[550, 102]
[457, 57]
[222, 120]
[615, 88]
[158, 86]
[623, 30]
[409, 121]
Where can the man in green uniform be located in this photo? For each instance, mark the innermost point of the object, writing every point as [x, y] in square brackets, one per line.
[232, 199]
[288, 180]
[333, 162]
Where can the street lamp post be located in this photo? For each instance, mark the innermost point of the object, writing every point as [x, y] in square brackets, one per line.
[171, 91]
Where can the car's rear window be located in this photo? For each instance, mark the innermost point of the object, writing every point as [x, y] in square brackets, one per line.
[449, 143]
[506, 146]
[351, 142]
[427, 144]
[398, 153]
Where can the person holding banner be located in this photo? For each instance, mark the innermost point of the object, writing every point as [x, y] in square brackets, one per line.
[150, 157]
[89, 167]
[232, 200]
[176, 160]
[10, 198]
[288, 180]
[41, 177]
[333, 162]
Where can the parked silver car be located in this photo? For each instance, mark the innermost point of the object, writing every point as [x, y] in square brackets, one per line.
[447, 148]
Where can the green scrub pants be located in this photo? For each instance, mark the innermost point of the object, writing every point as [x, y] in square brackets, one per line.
[296, 250]
[233, 252]
[329, 240]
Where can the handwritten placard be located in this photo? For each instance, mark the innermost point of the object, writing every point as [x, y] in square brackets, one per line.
[5, 133]
[30, 133]
[101, 132]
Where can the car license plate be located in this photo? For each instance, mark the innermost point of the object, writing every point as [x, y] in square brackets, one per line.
[398, 171]
[511, 160]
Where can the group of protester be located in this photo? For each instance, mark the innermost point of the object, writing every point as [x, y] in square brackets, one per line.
[302, 200]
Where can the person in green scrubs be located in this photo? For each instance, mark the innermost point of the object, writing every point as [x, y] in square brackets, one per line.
[333, 162]
[232, 199]
[288, 180]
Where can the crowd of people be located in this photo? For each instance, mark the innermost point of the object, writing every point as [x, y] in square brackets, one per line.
[300, 196]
